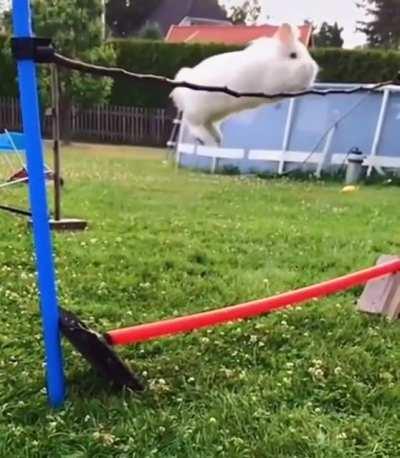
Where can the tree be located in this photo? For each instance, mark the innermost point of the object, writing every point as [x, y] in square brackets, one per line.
[77, 31]
[383, 27]
[150, 31]
[246, 13]
[124, 17]
[329, 36]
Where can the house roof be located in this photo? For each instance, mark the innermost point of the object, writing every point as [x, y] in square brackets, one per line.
[173, 11]
[228, 34]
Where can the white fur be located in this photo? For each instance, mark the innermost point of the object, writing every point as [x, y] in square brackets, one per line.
[264, 66]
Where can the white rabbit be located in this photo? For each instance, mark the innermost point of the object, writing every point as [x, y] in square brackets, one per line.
[269, 65]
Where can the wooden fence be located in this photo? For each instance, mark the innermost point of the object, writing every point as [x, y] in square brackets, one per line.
[103, 123]
[10, 115]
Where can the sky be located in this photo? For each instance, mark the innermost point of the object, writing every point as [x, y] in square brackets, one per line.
[344, 12]
[4, 4]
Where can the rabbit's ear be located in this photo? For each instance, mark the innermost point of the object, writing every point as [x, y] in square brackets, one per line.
[285, 34]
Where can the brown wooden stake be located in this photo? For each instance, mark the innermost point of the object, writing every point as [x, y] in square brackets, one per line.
[59, 223]
[56, 141]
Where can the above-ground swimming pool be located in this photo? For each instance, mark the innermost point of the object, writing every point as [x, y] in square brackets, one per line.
[312, 133]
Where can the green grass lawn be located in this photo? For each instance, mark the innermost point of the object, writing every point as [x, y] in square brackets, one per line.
[321, 380]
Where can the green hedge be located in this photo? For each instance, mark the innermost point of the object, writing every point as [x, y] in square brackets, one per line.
[145, 56]
[159, 58]
[165, 59]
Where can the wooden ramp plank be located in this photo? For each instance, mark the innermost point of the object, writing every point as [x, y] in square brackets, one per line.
[382, 296]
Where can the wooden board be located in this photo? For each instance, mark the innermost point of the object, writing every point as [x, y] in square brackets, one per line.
[382, 296]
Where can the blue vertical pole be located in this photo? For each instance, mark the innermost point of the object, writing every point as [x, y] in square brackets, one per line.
[37, 192]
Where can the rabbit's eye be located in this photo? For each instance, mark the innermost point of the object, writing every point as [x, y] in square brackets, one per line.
[293, 55]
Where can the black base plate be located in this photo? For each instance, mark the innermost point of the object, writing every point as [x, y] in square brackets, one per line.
[61, 225]
[68, 224]
[101, 356]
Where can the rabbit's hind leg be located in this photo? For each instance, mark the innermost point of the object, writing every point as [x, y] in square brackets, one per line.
[215, 132]
[205, 134]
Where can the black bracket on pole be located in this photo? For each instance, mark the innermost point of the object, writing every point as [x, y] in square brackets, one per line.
[39, 50]
[98, 353]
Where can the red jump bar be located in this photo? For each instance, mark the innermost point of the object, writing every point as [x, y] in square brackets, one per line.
[143, 332]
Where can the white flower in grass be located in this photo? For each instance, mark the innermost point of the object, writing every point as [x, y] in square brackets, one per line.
[316, 372]
[159, 385]
[319, 373]
[104, 438]
[387, 376]
[52, 425]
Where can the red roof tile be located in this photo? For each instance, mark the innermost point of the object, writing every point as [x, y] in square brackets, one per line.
[232, 35]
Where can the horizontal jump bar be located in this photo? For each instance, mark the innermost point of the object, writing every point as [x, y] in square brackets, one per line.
[188, 323]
